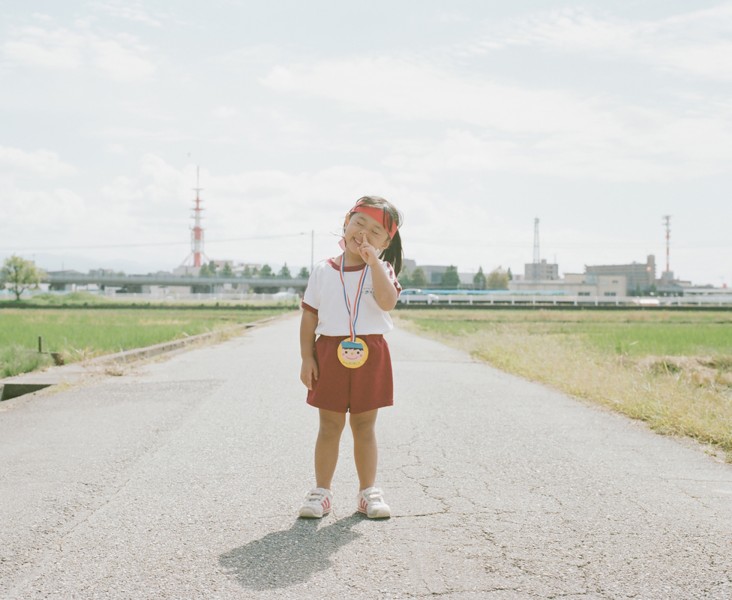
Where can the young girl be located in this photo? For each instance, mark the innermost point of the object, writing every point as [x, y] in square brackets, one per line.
[348, 367]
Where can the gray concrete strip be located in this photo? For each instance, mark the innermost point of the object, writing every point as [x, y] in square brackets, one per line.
[182, 479]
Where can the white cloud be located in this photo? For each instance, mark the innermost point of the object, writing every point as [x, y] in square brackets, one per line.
[710, 60]
[695, 42]
[515, 129]
[417, 91]
[224, 112]
[118, 56]
[459, 150]
[289, 124]
[153, 194]
[121, 59]
[40, 162]
[130, 11]
[117, 149]
[36, 47]
[46, 212]
[667, 151]
[149, 135]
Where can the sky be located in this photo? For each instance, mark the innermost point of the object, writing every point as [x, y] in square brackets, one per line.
[474, 117]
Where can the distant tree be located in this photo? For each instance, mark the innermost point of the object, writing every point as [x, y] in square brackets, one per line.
[255, 271]
[418, 278]
[284, 272]
[509, 274]
[227, 271]
[304, 273]
[404, 279]
[497, 279]
[205, 271]
[19, 274]
[266, 271]
[479, 281]
[247, 272]
[450, 278]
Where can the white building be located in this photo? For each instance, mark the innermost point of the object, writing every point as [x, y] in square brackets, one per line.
[576, 284]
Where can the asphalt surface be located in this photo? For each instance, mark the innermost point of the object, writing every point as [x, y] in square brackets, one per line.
[182, 478]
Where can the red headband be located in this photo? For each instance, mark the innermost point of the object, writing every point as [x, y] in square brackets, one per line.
[377, 214]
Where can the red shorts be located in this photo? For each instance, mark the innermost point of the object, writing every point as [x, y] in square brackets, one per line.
[341, 389]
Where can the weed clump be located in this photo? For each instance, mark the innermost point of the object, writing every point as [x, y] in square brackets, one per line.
[15, 360]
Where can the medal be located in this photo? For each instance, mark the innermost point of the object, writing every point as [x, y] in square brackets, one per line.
[352, 351]
[353, 354]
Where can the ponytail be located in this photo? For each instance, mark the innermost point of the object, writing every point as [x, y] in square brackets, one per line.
[394, 253]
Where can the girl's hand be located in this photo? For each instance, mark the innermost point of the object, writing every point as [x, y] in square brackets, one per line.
[368, 253]
[309, 372]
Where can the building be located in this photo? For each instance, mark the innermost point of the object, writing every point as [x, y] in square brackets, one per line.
[409, 265]
[541, 271]
[575, 284]
[596, 281]
[640, 277]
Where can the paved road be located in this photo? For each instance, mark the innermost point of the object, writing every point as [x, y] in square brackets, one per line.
[181, 479]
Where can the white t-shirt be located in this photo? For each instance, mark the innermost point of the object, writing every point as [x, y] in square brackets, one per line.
[324, 296]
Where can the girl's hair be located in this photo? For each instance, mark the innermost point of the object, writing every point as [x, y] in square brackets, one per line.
[393, 253]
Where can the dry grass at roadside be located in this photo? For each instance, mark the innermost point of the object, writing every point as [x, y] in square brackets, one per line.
[676, 395]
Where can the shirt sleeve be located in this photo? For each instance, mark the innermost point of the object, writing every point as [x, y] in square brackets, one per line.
[311, 298]
[392, 276]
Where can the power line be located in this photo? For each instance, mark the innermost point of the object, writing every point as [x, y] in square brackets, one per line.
[151, 244]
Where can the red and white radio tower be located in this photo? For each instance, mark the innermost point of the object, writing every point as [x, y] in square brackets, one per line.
[197, 230]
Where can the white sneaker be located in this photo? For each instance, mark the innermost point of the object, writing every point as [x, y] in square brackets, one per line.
[317, 503]
[371, 503]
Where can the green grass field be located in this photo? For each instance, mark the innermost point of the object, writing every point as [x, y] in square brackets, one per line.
[672, 369]
[79, 333]
[614, 332]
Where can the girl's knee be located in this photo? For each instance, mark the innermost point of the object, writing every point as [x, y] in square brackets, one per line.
[363, 424]
[331, 423]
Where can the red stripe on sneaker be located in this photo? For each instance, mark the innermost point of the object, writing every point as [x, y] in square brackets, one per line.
[326, 503]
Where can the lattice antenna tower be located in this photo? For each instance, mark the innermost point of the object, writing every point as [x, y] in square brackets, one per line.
[197, 252]
[197, 231]
[537, 255]
[667, 224]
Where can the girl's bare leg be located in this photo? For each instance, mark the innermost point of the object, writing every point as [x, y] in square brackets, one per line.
[327, 445]
[365, 452]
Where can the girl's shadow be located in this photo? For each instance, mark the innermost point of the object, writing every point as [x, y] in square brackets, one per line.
[284, 558]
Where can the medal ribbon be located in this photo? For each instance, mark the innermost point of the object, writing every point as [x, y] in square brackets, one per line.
[352, 308]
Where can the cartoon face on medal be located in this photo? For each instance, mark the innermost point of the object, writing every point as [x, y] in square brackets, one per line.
[353, 354]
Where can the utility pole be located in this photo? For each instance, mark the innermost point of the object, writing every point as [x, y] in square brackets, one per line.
[667, 223]
[537, 255]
